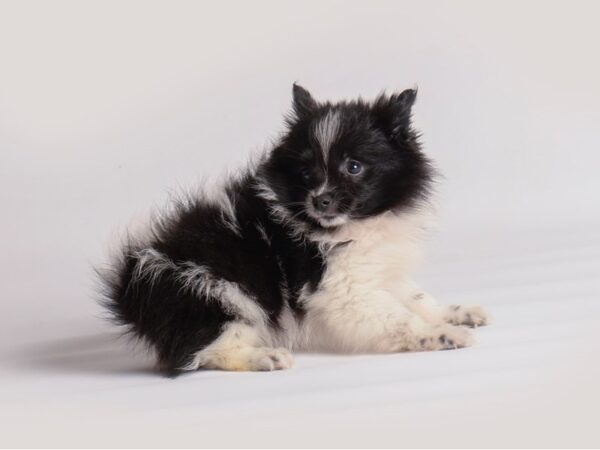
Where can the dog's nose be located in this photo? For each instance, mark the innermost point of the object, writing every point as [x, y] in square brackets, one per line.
[322, 202]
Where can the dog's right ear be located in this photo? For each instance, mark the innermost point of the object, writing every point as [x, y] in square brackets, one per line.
[393, 113]
[303, 102]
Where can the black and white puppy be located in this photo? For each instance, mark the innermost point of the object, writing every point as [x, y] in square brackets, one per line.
[312, 248]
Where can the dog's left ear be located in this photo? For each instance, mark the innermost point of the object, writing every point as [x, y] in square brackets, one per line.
[304, 104]
[392, 114]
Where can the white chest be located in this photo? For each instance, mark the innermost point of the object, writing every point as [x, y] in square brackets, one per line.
[372, 251]
[372, 258]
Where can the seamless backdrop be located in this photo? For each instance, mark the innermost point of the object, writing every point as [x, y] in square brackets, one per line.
[106, 107]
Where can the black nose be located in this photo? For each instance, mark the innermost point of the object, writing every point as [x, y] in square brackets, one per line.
[322, 202]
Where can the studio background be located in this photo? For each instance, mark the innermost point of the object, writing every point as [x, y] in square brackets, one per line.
[107, 107]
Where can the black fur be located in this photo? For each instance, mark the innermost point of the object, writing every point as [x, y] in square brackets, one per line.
[266, 245]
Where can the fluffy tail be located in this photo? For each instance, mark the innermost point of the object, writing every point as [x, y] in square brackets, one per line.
[143, 292]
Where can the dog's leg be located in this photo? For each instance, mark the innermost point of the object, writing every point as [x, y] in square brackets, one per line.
[375, 321]
[241, 348]
[430, 310]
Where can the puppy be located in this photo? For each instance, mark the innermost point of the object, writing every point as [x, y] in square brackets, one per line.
[312, 248]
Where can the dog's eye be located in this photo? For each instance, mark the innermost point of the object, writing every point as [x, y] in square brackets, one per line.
[305, 174]
[353, 167]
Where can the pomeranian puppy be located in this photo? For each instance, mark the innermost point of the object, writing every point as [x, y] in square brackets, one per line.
[311, 248]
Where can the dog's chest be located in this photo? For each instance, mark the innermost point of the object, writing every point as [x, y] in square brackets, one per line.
[373, 251]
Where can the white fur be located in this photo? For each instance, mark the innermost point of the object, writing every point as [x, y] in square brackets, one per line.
[200, 281]
[326, 132]
[278, 212]
[320, 189]
[228, 211]
[265, 191]
[335, 222]
[150, 265]
[241, 347]
[252, 347]
[215, 192]
[328, 223]
[290, 333]
[263, 233]
[361, 304]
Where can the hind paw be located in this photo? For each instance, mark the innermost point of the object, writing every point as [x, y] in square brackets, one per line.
[267, 359]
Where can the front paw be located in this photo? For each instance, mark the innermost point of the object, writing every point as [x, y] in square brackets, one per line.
[446, 337]
[470, 316]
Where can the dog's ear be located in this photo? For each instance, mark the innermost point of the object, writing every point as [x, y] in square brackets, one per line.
[303, 102]
[392, 114]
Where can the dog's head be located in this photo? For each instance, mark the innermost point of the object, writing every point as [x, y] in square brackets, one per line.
[340, 162]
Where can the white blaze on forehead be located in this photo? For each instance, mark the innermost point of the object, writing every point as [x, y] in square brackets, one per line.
[326, 131]
[320, 189]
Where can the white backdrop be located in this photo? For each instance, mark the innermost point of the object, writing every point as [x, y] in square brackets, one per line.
[107, 106]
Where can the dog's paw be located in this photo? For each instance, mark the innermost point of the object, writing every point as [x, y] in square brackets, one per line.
[267, 359]
[446, 337]
[470, 316]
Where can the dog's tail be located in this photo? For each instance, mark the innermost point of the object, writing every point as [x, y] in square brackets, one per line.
[142, 291]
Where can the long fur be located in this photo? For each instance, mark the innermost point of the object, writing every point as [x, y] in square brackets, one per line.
[312, 248]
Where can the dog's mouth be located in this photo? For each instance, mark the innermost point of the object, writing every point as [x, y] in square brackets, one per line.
[327, 220]
[332, 220]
